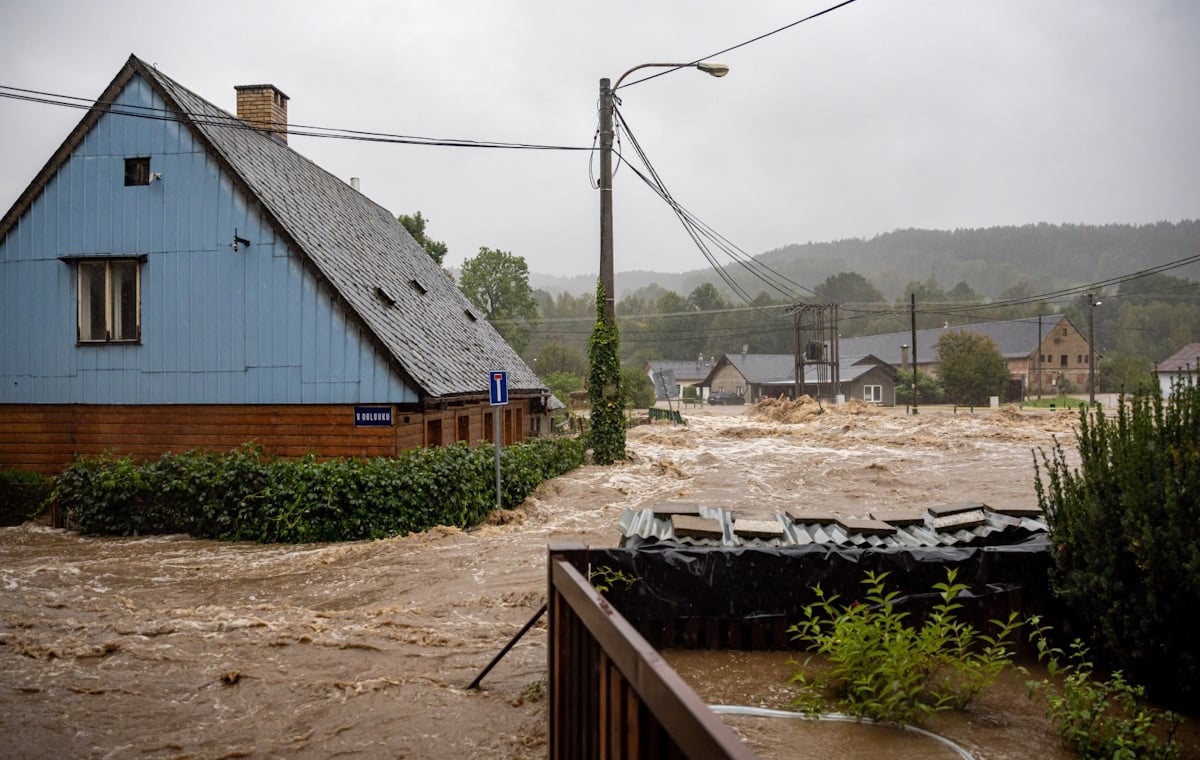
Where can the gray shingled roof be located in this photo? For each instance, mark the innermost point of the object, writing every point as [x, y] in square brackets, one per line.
[775, 369]
[357, 246]
[685, 371]
[1184, 358]
[1015, 338]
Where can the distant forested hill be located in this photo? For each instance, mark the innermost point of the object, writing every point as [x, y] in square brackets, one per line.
[989, 260]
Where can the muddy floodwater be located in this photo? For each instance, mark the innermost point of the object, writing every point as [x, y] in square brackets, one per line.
[170, 647]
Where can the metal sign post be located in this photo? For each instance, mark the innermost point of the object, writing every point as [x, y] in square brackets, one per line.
[497, 397]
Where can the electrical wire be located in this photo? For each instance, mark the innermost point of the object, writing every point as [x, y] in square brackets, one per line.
[232, 122]
[759, 38]
[702, 234]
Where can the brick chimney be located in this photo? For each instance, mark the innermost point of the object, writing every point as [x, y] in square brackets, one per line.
[263, 106]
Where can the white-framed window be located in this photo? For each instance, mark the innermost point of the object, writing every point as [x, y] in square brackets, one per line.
[873, 393]
[109, 305]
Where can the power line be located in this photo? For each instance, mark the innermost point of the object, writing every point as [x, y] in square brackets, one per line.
[702, 234]
[759, 38]
[232, 122]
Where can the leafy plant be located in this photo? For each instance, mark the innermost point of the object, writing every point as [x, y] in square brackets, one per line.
[1126, 528]
[604, 578]
[244, 495]
[605, 395]
[22, 494]
[1099, 718]
[878, 666]
[929, 390]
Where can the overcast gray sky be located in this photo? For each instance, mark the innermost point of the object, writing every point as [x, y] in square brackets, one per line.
[881, 115]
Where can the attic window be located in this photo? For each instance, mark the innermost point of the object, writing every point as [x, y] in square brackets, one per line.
[385, 296]
[471, 315]
[137, 171]
[417, 286]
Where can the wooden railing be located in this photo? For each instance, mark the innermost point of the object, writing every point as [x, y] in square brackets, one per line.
[611, 693]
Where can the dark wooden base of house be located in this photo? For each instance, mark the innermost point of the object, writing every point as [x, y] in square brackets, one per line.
[46, 437]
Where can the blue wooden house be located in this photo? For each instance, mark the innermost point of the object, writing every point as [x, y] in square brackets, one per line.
[176, 277]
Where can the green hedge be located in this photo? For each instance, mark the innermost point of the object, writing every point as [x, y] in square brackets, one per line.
[247, 496]
[22, 495]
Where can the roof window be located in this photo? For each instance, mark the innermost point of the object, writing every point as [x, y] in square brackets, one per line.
[384, 296]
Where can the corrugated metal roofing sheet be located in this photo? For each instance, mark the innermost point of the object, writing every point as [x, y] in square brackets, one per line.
[941, 527]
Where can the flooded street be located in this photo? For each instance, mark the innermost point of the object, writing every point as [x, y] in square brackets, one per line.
[172, 647]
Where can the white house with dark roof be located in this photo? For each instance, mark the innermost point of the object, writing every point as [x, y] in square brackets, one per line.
[1178, 366]
[176, 277]
[756, 376]
[685, 372]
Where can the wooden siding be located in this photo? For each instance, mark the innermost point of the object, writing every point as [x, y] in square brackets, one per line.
[45, 437]
[219, 326]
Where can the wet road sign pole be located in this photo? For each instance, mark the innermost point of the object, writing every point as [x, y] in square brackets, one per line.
[497, 397]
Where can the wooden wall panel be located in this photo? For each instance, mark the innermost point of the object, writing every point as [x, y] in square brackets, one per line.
[45, 437]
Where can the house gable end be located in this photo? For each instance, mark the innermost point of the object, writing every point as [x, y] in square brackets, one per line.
[218, 325]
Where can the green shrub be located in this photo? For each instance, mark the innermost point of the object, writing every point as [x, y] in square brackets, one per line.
[929, 390]
[244, 495]
[22, 495]
[1126, 527]
[878, 666]
[1099, 718]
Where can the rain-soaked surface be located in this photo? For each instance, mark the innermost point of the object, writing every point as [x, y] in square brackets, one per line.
[172, 647]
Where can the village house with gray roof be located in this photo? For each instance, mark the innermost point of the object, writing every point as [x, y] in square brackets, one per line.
[177, 277]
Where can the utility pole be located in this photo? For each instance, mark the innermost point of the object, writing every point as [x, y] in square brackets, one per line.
[606, 199]
[1092, 304]
[913, 310]
[604, 370]
[1039, 361]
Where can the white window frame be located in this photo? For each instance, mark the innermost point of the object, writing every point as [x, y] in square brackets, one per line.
[873, 394]
[88, 315]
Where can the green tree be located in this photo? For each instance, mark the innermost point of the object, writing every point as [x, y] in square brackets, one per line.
[706, 297]
[498, 283]
[1122, 372]
[560, 359]
[671, 302]
[563, 384]
[848, 287]
[639, 391]
[415, 225]
[929, 390]
[970, 367]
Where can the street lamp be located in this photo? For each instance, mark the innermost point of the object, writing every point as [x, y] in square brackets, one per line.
[1092, 304]
[711, 68]
[604, 378]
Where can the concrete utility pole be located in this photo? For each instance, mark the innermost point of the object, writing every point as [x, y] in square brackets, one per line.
[1039, 361]
[913, 310]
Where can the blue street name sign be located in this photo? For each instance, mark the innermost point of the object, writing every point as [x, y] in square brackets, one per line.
[372, 416]
[498, 387]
